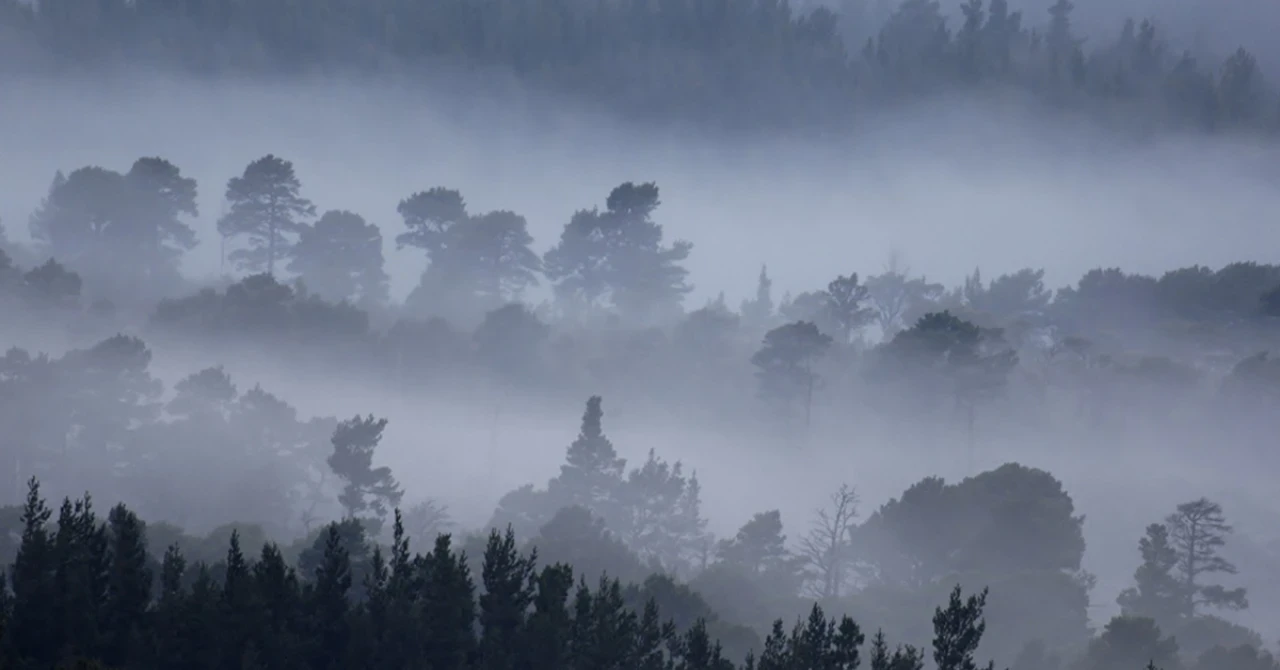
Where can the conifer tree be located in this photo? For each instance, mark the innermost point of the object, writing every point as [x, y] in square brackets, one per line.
[329, 605]
[1197, 530]
[278, 595]
[784, 365]
[1156, 592]
[592, 473]
[367, 488]
[448, 642]
[548, 626]
[80, 550]
[6, 613]
[266, 208]
[128, 588]
[757, 313]
[172, 630]
[508, 593]
[958, 630]
[237, 604]
[34, 631]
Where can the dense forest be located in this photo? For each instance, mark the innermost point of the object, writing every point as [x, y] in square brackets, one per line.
[608, 564]
[742, 64]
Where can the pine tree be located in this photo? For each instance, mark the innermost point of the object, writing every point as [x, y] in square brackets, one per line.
[844, 304]
[340, 258]
[508, 593]
[759, 549]
[401, 634]
[35, 631]
[172, 630]
[1156, 593]
[547, 630]
[958, 630]
[236, 604]
[203, 617]
[697, 651]
[278, 594]
[329, 605]
[1197, 531]
[81, 577]
[591, 476]
[652, 640]
[128, 588]
[267, 209]
[367, 488]
[784, 365]
[448, 608]
[757, 313]
[879, 659]
[6, 614]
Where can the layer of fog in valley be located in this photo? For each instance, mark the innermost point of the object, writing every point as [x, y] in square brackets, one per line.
[762, 323]
[949, 184]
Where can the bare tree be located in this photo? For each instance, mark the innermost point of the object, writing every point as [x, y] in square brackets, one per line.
[828, 546]
[425, 520]
[1197, 531]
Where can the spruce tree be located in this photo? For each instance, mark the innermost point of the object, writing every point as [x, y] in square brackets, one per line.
[1156, 592]
[547, 630]
[508, 593]
[172, 631]
[278, 594]
[448, 641]
[6, 613]
[35, 629]
[128, 588]
[329, 606]
[237, 604]
[592, 473]
[958, 630]
[80, 575]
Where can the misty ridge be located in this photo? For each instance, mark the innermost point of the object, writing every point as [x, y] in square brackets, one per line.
[637, 335]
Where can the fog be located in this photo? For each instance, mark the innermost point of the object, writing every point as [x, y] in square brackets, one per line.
[942, 186]
[947, 185]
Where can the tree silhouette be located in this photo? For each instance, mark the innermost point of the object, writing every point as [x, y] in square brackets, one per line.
[1197, 530]
[429, 216]
[267, 209]
[115, 225]
[367, 488]
[619, 254]
[757, 313]
[340, 258]
[829, 544]
[845, 299]
[958, 630]
[592, 472]
[1157, 593]
[784, 364]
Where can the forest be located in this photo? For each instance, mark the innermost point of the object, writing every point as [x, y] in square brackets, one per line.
[244, 532]
[555, 450]
[733, 64]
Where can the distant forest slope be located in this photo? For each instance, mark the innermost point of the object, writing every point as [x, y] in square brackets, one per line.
[744, 64]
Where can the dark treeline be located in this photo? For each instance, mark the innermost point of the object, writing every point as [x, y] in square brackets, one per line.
[82, 591]
[86, 592]
[737, 63]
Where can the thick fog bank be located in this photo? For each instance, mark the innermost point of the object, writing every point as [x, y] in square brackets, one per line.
[467, 446]
[950, 185]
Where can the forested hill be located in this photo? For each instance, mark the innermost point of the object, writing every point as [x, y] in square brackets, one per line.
[733, 63]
